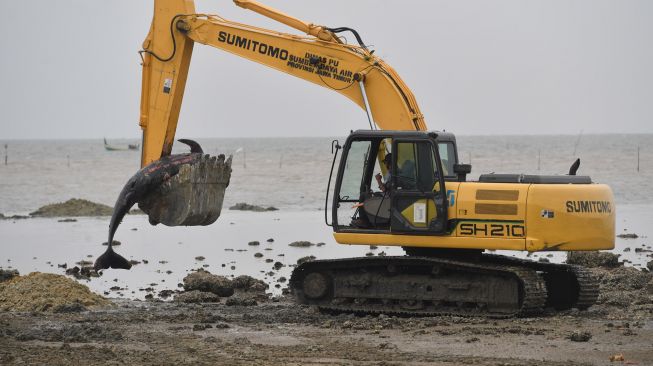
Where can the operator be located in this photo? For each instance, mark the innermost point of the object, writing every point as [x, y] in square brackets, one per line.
[385, 181]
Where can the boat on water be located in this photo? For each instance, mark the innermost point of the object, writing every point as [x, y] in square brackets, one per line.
[109, 147]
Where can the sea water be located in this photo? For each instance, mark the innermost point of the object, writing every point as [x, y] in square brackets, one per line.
[288, 173]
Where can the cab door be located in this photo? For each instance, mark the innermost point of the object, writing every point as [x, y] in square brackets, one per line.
[418, 197]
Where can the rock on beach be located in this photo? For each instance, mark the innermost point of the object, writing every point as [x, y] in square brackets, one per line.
[207, 282]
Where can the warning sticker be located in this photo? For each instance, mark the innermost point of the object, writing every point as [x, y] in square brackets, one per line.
[419, 212]
[167, 85]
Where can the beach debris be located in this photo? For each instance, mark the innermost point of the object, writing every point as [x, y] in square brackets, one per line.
[579, 336]
[241, 301]
[649, 287]
[46, 292]
[320, 244]
[619, 357]
[67, 220]
[628, 236]
[164, 294]
[196, 296]
[203, 280]
[308, 258]
[301, 244]
[242, 206]
[278, 265]
[7, 274]
[13, 217]
[65, 265]
[254, 243]
[200, 327]
[74, 207]
[249, 284]
[200, 258]
[83, 273]
[593, 259]
[271, 240]
[258, 255]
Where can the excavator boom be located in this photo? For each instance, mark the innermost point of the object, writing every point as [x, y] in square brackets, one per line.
[319, 57]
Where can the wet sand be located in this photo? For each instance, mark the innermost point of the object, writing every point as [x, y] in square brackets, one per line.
[277, 331]
[272, 333]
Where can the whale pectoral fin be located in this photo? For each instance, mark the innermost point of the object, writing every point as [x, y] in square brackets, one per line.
[111, 259]
[574, 167]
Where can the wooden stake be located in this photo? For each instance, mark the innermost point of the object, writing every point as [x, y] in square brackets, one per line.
[539, 156]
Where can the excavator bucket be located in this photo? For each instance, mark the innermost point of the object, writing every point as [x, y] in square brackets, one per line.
[191, 197]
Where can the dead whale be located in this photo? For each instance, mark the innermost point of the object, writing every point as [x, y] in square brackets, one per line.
[146, 180]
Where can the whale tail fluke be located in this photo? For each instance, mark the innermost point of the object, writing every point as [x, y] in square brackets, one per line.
[111, 259]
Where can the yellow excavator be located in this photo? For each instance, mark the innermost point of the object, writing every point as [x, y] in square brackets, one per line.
[397, 184]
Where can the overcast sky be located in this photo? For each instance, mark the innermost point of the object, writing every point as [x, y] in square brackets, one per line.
[70, 68]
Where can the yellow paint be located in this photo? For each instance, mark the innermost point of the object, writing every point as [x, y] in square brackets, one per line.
[563, 231]
[429, 241]
[569, 230]
[393, 107]
[392, 104]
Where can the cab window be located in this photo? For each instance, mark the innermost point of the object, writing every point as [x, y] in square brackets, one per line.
[448, 158]
[417, 168]
[352, 179]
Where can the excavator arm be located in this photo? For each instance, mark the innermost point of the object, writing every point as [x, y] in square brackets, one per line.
[320, 57]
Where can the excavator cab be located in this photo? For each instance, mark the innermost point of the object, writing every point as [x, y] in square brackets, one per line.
[412, 199]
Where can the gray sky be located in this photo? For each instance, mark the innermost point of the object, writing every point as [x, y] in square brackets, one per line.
[70, 68]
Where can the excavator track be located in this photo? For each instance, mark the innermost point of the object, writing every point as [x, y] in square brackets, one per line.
[419, 286]
[569, 286]
[430, 286]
